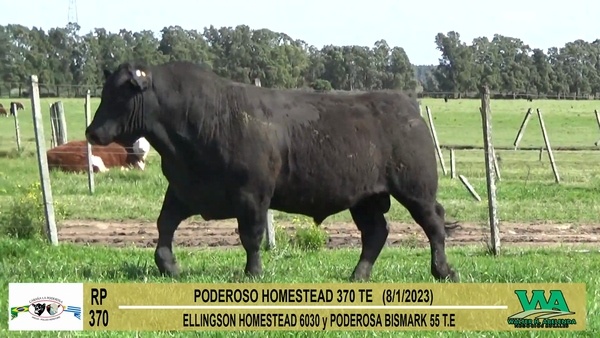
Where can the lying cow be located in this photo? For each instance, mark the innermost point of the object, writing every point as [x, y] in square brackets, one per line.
[72, 156]
[231, 150]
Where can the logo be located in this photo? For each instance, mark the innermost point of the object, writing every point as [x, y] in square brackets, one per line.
[45, 306]
[45, 309]
[542, 311]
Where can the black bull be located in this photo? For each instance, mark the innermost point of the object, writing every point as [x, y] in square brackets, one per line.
[231, 150]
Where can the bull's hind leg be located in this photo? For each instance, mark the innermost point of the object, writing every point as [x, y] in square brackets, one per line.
[370, 220]
[173, 212]
[429, 214]
[252, 222]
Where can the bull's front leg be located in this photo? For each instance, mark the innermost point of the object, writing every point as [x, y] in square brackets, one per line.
[173, 212]
[252, 222]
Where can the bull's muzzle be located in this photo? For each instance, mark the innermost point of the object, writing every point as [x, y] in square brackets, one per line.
[91, 137]
[96, 138]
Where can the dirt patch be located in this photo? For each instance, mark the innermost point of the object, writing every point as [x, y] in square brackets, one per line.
[223, 234]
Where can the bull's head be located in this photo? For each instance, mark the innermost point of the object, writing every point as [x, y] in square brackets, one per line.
[121, 116]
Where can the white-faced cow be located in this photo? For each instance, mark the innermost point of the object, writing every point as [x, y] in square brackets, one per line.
[232, 150]
[72, 156]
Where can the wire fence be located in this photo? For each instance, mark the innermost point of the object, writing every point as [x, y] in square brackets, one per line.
[525, 164]
[20, 90]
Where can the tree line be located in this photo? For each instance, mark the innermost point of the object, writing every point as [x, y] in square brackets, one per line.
[68, 62]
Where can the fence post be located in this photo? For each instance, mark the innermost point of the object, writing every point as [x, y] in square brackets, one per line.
[469, 187]
[548, 148]
[89, 146]
[597, 121]
[522, 129]
[40, 142]
[452, 164]
[14, 111]
[496, 167]
[53, 126]
[486, 118]
[270, 221]
[435, 140]
[62, 123]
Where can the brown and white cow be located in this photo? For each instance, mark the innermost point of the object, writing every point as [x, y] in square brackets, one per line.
[72, 156]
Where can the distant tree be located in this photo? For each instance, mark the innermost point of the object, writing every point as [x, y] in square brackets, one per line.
[61, 56]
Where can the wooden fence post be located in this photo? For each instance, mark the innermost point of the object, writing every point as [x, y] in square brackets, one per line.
[14, 111]
[435, 140]
[486, 118]
[469, 187]
[40, 142]
[59, 122]
[548, 148]
[452, 164]
[89, 146]
[522, 129]
[496, 167]
[597, 121]
[53, 126]
[270, 227]
[62, 122]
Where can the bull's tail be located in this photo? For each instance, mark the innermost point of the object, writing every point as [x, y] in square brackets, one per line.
[450, 227]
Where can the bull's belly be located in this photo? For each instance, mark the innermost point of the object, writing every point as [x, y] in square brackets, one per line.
[319, 199]
[212, 203]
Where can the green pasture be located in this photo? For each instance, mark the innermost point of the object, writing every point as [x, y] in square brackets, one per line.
[28, 261]
[527, 193]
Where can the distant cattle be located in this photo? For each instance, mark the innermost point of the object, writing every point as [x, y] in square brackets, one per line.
[19, 105]
[72, 156]
[231, 150]
[6, 111]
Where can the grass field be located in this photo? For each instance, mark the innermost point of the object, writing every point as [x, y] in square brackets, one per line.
[527, 193]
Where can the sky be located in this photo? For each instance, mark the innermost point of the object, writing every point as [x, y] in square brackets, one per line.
[412, 25]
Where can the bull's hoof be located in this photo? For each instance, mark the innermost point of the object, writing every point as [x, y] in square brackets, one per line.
[448, 275]
[453, 277]
[170, 270]
[165, 261]
[360, 278]
[253, 272]
[361, 273]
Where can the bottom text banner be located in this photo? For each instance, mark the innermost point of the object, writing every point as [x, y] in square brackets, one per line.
[310, 307]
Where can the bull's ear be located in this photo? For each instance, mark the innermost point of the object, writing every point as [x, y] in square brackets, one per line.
[141, 78]
[107, 73]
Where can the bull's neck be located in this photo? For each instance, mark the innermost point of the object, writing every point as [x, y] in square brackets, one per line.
[184, 123]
